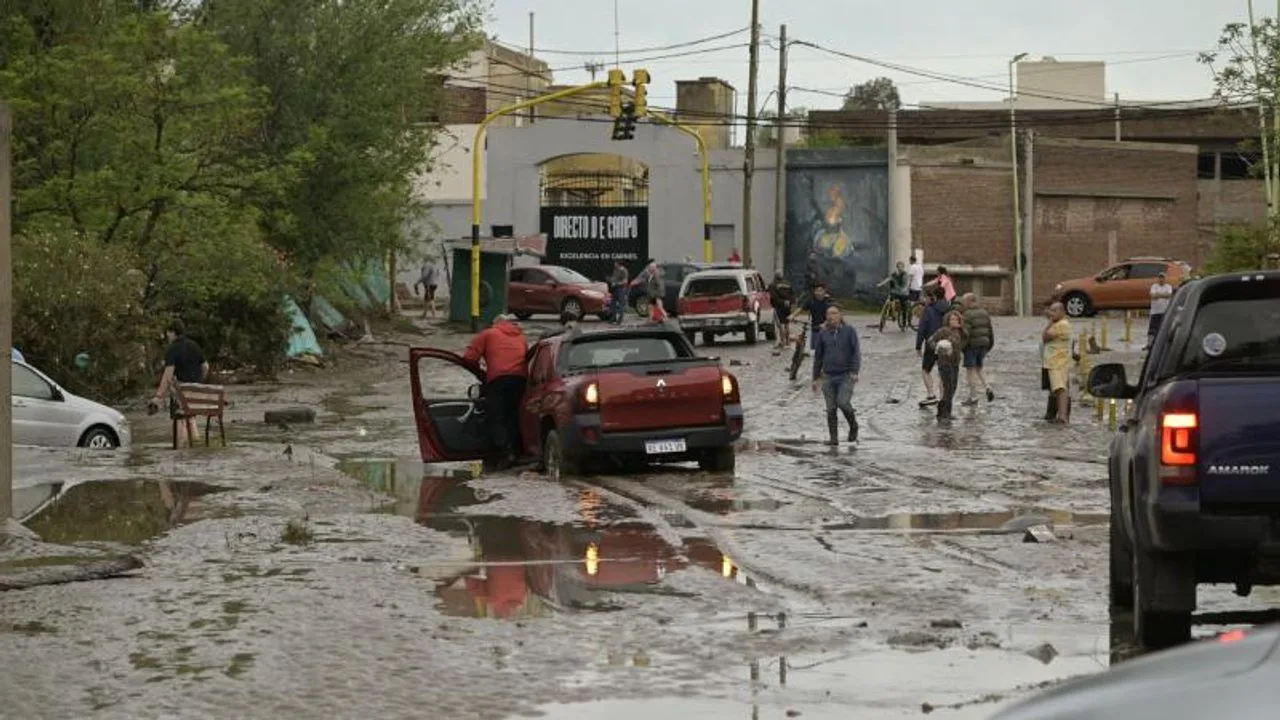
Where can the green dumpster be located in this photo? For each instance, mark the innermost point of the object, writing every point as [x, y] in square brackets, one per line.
[495, 260]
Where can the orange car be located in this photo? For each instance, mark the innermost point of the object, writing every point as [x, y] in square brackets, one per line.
[1126, 286]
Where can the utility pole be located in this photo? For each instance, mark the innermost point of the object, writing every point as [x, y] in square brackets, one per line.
[528, 77]
[1117, 95]
[780, 161]
[1018, 299]
[749, 154]
[6, 322]
[1029, 228]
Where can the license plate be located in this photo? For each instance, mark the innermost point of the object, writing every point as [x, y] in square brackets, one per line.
[664, 447]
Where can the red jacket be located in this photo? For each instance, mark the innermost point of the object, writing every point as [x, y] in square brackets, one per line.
[502, 347]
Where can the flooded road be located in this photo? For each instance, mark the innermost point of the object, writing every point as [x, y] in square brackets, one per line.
[321, 566]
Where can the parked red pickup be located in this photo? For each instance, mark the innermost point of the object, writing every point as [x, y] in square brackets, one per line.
[633, 395]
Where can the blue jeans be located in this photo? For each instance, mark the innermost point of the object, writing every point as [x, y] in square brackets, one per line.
[618, 308]
[837, 390]
[813, 336]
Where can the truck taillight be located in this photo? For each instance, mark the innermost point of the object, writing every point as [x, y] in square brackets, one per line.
[1178, 434]
[590, 398]
[728, 388]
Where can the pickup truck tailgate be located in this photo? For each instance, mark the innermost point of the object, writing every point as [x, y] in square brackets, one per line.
[1239, 448]
[718, 305]
[645, 397]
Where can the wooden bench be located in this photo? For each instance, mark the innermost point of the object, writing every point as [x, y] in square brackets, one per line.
[200, 400]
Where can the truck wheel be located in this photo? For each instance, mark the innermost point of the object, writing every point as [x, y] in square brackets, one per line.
[1156, 629]
[554, 459]
[1121, 568]
[753, 333]
[708, 338]
[718, 460]
[572, 306]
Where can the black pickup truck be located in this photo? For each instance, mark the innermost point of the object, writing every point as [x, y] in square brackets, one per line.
[1195, 467]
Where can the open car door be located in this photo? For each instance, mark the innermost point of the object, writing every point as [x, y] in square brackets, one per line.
[451, 426]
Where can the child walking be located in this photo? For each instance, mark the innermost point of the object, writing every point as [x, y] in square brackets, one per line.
[948, 346]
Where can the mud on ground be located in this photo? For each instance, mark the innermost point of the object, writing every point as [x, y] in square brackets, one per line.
[318, 569]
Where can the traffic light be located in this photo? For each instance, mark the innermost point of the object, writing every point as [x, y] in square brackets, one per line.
[624, 126]
[641, 81]
[616, 79]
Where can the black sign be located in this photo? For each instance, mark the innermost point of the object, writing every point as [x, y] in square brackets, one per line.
[591, 239]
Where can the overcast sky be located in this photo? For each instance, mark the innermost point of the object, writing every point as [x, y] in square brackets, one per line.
[1150, 46]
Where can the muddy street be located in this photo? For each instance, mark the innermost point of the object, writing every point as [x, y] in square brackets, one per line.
[323, 566]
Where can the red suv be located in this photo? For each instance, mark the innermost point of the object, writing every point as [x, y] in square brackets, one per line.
[552, 290]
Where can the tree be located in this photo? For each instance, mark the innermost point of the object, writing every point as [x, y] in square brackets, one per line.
[876, 94]
[349, 91]
[1245, 65]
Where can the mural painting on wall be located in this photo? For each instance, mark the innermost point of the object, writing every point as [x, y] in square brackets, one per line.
[591, 239]
[837, 228]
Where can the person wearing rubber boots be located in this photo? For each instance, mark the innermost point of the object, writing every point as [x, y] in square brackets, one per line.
[837, 359]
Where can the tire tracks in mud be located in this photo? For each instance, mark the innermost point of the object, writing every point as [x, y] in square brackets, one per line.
[676, 515]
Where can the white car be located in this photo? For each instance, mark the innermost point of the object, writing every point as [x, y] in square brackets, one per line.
[45, 414]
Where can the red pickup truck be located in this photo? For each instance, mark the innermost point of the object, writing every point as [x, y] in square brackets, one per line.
[634, 395]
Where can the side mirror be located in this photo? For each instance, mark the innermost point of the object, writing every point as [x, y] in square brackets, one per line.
[1110, 381]
[475, 392]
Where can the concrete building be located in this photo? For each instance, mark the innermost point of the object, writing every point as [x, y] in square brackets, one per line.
[494, 76]
[1046, 84]
[707, 105]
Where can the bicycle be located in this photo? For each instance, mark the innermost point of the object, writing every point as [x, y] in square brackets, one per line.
[797, 357]
[894, 308]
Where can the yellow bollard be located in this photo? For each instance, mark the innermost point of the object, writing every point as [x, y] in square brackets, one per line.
[1103, 344]
[1083, 367]
[1111, 415]
[1128, 326]
[1097, 409]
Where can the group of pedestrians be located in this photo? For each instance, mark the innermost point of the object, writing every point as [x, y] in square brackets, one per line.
[948, 337]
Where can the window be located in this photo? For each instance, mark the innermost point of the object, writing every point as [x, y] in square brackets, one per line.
[1239, 165]
[518, 275]
[1206, 165]
[1244, 317]
[1143, 271]
[29, 385]
[566, 276]
[1119, 272]
[619, 351]
[713, 287]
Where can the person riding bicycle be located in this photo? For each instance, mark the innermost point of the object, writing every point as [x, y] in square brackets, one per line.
[897, 282]
[781, 295]
[816, 306]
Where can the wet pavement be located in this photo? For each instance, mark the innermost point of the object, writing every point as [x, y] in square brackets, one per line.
[319, 568]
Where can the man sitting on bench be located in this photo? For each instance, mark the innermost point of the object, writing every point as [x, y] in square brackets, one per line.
[183, 363]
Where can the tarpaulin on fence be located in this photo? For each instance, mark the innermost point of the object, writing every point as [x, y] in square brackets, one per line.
[302, 339]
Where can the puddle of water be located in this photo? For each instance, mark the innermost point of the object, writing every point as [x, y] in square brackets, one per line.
[30, 499]
[521, 568]
[728, 502]
[1011, 520]
[128, 512]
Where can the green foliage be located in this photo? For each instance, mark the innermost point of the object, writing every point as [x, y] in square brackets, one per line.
[826, 139]
[876, 94]
[74, 294]
[1245, 248]
[203, 159]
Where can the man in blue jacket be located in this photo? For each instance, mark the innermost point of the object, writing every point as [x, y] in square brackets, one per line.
[836, 362]
[935, 309]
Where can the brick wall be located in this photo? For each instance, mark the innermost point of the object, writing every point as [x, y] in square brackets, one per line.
[1227, 202]
[463, 105]
[1145, 193]
[962, 207]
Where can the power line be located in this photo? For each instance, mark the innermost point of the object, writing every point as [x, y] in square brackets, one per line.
[522, 72]
[943, 77]
[636, 51]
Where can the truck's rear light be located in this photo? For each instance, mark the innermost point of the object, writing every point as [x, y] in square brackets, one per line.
[590, 398]
[1178, 432]
[728, 388]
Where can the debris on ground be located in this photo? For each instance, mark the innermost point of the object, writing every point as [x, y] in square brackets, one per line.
[283, 416]
[919, 639]
[1038, 534]
[946, 623]
[1043, 652]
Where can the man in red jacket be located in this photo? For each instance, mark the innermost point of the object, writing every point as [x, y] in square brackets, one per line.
[501, 350]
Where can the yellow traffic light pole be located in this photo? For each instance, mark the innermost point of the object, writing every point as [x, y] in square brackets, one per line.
[477, 151]
[706, 178]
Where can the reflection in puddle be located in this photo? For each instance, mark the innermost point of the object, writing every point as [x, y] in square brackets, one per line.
[1011, 520]
[128, 512]
[521, 568]
[726, 503]
[29, 500]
